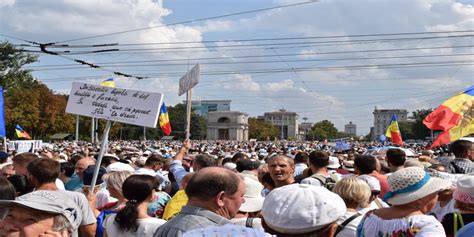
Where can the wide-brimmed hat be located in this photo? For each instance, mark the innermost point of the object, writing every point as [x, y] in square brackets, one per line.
[465, 189]
[333, 163]
[253, 196]
[412, 183]
[301, 208]
[348, 165]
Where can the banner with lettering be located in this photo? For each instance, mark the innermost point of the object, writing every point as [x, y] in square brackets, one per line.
[21, 146]
[115, 104]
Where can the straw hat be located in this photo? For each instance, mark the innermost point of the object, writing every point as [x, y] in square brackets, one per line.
[412, 183]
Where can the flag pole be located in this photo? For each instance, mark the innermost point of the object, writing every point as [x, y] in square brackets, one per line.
[103, 147]
[188, 113]
[77, 128]
[92, 131]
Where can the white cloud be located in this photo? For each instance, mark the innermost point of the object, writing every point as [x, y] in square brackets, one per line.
[241, 82]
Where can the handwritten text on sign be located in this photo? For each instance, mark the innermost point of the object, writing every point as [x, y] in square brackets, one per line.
[116, 104]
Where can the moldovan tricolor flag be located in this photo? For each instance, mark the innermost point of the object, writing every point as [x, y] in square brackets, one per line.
[450, 112]
[20, 133]
[393, 132]
[108, 82]
[465, 128]
[165, 120]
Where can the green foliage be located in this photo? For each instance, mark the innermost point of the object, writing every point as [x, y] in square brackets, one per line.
[261, 130]
[12, 75]
[28, 102]
[420, 131]
[406, 130]
[323, 130]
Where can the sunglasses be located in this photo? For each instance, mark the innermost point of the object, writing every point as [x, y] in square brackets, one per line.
[375, 193]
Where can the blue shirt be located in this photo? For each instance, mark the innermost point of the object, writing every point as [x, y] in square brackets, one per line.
[74, 183]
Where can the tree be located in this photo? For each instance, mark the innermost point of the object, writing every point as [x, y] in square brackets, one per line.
[420, 131]
[29, 102]
[261, 130]
[12, 74]
[323, 130]
[406, 130]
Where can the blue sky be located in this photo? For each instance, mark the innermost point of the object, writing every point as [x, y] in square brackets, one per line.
[338, 78]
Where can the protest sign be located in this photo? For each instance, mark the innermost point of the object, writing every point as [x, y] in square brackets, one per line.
[189, 80]
[115, 104]
[21, 146]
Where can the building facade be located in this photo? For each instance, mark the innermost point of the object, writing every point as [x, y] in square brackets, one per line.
[350, 128]
[286, 122]
[228, 125]
[304, 128]
[382, 118]
[203, 107]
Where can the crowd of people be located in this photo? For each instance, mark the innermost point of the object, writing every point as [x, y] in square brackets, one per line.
[228, 188]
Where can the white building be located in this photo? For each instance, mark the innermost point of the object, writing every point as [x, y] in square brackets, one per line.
[382, 118]
[228, 125]
[350, 128]
[286, 122]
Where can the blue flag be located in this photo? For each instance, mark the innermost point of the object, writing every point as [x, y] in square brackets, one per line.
[3, 133]
[342, 146]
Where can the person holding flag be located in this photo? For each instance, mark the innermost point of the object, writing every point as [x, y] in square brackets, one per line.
[393, 131]
[453, 117]
[20, 133]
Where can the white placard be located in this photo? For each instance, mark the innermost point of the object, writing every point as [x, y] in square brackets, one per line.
[115, 104]
[189, 80]
[21, 146]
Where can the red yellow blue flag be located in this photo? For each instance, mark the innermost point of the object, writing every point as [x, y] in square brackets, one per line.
[393, 131]
[20, 133]
[454, 117]
[450, 113]
[165, 120]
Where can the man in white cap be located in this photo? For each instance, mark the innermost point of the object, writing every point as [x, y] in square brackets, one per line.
[302, 210]
[374, 201]
[40, 213]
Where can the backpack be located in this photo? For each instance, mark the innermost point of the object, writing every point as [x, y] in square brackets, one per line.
[327, 182]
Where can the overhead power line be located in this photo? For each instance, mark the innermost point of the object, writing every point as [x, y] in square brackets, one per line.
[265, 39]
[74, 66]
[260, 56]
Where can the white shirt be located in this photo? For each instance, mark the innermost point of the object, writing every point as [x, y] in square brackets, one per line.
[372, 206]
[146, 171]
[440, 212]
[59, 184]
[350, 230]
[146, 227]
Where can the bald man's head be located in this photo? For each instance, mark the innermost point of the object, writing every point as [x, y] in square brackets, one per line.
[82, 165]
[207, 183]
